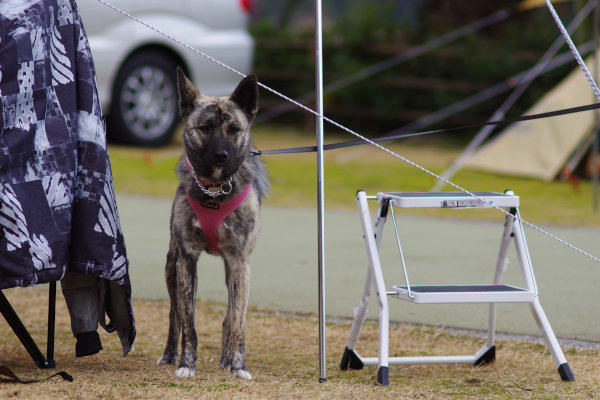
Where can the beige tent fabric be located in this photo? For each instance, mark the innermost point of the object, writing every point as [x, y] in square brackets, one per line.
[540, 148]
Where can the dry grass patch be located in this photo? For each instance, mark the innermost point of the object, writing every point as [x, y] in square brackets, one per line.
[282, 356]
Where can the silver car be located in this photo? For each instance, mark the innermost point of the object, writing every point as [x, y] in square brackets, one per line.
[136, 65]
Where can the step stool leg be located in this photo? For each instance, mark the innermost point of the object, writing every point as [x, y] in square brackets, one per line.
[383, 376]
[375, 266]
[548, 334]
[536, 308]
[350, 359]
[501, 265]
[382, 371]
[360, 313]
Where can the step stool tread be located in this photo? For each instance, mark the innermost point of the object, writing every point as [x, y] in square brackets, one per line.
[449, 199]
[459, 288]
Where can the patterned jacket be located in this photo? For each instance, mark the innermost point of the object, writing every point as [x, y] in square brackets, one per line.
[57, 205]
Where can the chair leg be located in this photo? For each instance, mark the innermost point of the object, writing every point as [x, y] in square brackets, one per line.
[23, 335]
[51, 325]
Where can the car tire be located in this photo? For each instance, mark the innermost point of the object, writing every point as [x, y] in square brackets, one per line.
[144, 109]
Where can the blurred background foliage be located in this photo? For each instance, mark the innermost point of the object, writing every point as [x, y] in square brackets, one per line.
[360, 33]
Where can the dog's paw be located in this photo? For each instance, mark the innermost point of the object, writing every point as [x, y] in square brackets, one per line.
[164, 359]
[184, 372]
[242, 374]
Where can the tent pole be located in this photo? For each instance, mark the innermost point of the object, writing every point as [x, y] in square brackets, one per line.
[596, 20]
[524, 82]
[320, 185]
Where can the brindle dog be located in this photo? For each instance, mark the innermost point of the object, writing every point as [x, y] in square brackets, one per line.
[217, 168]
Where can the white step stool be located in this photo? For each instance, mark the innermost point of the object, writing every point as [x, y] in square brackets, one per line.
[492, 293]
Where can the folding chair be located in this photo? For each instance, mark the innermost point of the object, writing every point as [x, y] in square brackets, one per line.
[19, 329]
[421, 294]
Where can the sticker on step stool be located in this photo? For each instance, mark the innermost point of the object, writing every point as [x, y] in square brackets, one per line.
[464, 203]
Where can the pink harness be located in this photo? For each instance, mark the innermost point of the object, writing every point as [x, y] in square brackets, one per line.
[211, 213]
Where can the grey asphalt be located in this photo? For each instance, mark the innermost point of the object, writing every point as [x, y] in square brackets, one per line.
[437, 251]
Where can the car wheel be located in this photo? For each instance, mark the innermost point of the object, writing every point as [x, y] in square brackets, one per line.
[143, 109]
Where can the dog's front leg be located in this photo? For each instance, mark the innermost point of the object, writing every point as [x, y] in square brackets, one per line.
[187, 280]
[170, 354]
[233, 351]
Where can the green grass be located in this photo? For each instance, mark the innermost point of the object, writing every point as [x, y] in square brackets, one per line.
[144, 172]
[293, 176]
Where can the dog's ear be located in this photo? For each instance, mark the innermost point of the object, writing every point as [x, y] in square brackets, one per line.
[187, 93]
[245, 95]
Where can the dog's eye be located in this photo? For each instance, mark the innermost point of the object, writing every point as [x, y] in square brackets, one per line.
[205, 128]
[233, 130]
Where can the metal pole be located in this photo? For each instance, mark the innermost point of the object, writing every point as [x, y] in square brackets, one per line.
[320, 186]
[596, 21]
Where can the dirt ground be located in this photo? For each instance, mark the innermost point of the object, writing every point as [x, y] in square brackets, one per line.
[283, 358]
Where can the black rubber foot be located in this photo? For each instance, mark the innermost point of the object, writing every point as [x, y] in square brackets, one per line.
[565, 372]
[88, 343]
[47, 364]
[350, 360]
[383, 376]
[487, 357]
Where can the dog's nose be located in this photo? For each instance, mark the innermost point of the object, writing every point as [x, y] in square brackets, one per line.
[221, 157]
